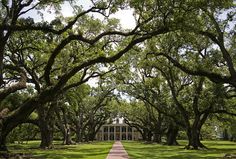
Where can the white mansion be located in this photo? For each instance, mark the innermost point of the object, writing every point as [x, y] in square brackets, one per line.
[117, 130]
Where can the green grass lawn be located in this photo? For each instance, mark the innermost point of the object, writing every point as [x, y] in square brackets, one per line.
[95, 150]
[217, 149]
[136, 150]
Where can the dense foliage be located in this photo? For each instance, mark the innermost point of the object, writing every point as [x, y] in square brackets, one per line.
[173, 71]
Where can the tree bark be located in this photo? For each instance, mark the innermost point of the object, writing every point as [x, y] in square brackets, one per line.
[67, 132]
[46, 125]
[3, 41]
[67, 135]
[194, 139]
[157, 128]
[233, 138]
[149, 136]
[79, 127]
[79, 135]
[91, 136]
[46, 137]
[62, 123]
[157, 137]
[144, 136]
[172, 134]
[3, 136]
[1, 62]
[225, 134]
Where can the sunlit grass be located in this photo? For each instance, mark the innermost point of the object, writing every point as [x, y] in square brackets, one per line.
[94, 150]
[136, 150]
[217, 149]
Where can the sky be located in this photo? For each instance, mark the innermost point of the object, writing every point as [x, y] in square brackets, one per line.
[126, 17]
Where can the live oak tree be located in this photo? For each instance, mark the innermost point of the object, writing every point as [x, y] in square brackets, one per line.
[195, 99]
[205, 44]
[136, 115]
[152, 122]
[89, 111]
[214, 23]
[57, 51]
[201, 44]
[46, 122]
[226, 126]
[80, 42]
[188, 98]
[56, 56]
[136, 82]
[76, 107]
[63, 122]
[82, 111]
[21, 133]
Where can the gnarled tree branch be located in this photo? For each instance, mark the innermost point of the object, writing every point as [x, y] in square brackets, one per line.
[21, 84]
[214, 77]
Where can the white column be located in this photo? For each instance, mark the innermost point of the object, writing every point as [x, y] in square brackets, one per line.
[108, 133]
[102, 133]
[126, 132]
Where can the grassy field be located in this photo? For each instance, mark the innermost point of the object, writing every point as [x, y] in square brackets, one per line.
[95, 150]
[217, 149]
[136, 150]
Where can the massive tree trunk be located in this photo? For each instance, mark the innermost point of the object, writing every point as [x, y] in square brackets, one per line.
[91, 130]
[1, 63]
[193, 133]
[79, 135]
[157, 137]
[144, 136]
[94, 128]
[149, 136]
[3, 131]
[157, 129]
[63, 125]
[67, 132]
[225, 134]
[46, 136]
[194, 139]
[3, 136]
[233, 138]
[46, 125]
[22, 113]
[171, 135]
[67, 135]
[79, 127]
[91, 135]
[3, 43]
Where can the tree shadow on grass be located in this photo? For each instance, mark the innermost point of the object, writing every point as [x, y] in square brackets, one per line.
[172, 156]
[93, 151]
[155, 151]
[70, 153]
